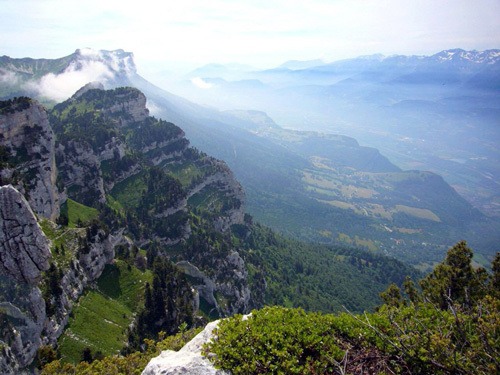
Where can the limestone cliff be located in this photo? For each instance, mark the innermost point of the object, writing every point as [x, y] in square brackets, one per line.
[24, 255]
[80, 171]
[228, 280]
[28, 146]
[131, 106]
[24, 249]
[83, 270]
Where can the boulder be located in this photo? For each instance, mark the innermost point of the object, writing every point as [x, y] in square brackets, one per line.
[188, 360]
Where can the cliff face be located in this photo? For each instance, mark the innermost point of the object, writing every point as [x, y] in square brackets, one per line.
[80, 171]
[85, 268]
[24, 255]
[28, 145]
[24, 248]
[131, 106]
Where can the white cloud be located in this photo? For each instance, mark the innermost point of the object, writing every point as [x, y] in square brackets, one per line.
[200, 83]
[154, 109]
[8, 77]
[60, 87]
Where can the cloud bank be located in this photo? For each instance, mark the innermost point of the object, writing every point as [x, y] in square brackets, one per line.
[200, 83]
[88, 66]
[59, 87]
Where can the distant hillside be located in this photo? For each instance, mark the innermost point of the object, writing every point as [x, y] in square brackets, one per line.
[436, 113]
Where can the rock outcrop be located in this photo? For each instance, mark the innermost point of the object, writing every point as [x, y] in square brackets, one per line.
[29, 144]
[188, 360]
[131, 106]
[229, 279]
[24, 249]
[80, 171]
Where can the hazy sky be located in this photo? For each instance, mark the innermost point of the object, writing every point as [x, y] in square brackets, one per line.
[163, 34]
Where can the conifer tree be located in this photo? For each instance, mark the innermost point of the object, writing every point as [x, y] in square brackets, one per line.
[495, 278]
[454, 280]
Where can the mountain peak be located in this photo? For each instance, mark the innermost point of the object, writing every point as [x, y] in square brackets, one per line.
[58, 79]
[301, 64]
[118, 61]
[489, 57]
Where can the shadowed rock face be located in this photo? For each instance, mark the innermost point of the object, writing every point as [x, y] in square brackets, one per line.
[24, 249]
[26, 134]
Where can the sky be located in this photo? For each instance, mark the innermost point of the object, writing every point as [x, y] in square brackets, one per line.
[184, 34]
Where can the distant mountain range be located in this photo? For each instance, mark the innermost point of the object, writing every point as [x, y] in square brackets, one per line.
[439, 113]
[315, 186]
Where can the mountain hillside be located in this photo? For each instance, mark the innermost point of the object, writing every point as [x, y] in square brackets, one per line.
[110, 217]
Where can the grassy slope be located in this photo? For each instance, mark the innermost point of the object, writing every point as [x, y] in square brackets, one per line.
[76, 211]
[110, 308]
[129, 191]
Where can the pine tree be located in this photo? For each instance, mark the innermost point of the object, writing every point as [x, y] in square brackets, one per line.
[392, 296]
[495, 278]
[411, 290]
[454, 280]
[87, 355]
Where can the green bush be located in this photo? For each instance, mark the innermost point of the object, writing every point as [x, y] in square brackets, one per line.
[276, 340]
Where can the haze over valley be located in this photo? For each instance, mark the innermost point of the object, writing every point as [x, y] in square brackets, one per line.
[438, 113]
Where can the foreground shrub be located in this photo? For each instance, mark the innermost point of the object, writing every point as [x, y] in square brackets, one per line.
[276, 340]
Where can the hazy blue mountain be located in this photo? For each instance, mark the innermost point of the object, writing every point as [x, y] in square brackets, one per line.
[298, 64]
[226, 71]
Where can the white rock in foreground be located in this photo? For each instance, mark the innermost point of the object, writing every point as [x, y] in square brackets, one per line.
[188, 360]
